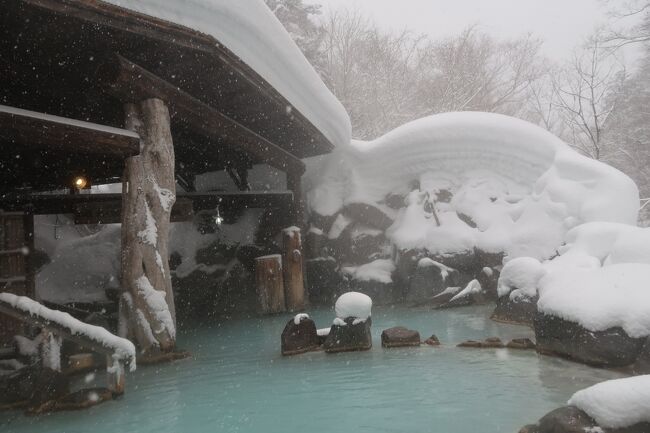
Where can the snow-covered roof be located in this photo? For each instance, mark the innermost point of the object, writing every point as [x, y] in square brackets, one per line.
[251, 31]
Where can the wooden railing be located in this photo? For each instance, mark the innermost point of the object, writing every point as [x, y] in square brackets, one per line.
[119, 351]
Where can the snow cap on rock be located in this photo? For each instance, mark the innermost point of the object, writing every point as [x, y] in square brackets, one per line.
[353, 304]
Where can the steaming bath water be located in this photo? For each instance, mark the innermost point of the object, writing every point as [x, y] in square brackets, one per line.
[239, 382]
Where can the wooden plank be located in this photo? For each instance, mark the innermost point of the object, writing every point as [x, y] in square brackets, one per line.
[30, 128]
[110, 204]
[132, 83]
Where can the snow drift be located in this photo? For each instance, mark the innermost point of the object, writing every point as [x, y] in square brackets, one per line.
[520, 187]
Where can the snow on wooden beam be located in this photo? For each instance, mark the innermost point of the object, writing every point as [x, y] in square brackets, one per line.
[30, 128]
[66, 326]
[131, 83]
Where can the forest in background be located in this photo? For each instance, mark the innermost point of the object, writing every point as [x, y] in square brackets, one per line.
[596, 103]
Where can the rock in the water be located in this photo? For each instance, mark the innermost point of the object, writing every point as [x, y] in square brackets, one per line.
[471, 343]
[400, 336]
[521, 343]
[349, 335]
[427, 281]
[432, 341]
[567, 419]
[488, 343]
[609, 348]
[520, 311]
[299, 336]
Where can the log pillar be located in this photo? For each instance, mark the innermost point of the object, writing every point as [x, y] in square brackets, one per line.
[149, 192]
[297, 210]
[292, 260]
[270, 284]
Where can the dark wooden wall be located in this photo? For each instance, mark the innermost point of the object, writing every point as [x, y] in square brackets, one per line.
[16, 273]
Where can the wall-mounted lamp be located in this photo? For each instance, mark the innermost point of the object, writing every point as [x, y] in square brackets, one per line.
[80, 182]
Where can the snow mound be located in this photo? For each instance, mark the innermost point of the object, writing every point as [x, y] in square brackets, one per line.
[380, 270]
[299, 318]
[521, 187]
[353, 304]
[600, 280]
[250, 30]
[600, 298]
[520, 277]
[616, 403]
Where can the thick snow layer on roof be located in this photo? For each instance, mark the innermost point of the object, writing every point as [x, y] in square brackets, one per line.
[353, 304]
[523, 187]
[616, 403]
[250, 30]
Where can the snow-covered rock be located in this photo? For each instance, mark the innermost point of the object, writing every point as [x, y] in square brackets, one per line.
[616, 403]
[514, 187]
[353, 304]
[519, 277]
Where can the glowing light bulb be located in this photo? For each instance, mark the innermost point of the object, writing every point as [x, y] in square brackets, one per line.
[80, 182]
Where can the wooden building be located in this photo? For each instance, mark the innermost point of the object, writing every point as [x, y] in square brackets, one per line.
[94, 90]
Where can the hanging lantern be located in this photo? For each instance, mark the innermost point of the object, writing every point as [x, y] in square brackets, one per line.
[218, 219]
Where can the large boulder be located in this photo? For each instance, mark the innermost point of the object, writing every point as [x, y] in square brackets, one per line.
[299, 336]
[323, 280]
[428, 280]
[610, 348]
[400, 336]
[366, 246]
[570, 419]
[349, 335]
[369, 215]
[381, 293]
[520, 311]
[642, 364]
[567, 419]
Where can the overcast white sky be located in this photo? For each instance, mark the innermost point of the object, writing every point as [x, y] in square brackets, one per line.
[561, 24]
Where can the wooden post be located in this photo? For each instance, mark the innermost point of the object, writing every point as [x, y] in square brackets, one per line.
[115, 377]
[270, 285]
[149, 192]
[294, 184]
[294, 286]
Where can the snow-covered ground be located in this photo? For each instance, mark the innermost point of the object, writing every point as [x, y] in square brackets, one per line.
[522, 187]
[250, 30]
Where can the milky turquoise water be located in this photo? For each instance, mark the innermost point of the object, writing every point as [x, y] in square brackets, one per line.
[239, 382]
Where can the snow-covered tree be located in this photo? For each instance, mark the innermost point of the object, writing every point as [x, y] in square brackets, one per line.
[302, 22]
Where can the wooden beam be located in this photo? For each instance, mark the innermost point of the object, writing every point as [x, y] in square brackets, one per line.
[30, 128]
[110, 204]
[131, 83]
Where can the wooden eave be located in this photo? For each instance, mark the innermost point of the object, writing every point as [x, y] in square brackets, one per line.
[196, 63]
